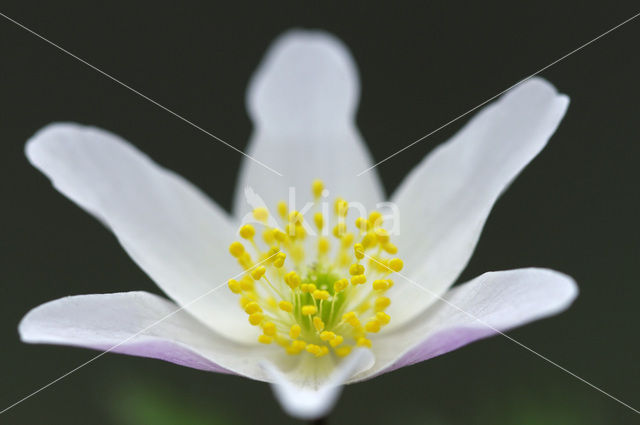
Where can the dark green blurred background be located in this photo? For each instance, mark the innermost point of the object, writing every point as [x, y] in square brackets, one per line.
[575, 208]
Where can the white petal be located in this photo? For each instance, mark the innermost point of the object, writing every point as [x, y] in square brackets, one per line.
[140, 324]
[314, 400]
[174, 232]
[302, 100]
[492, 303]
[446, 199]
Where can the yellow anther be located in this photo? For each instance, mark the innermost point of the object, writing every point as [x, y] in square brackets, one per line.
[358, 250]
[269, 328]
[271, 253]
[235, 287]
[318, 219]
[390, 248]
[390, 282]
[341, 207]
[327, 336]
[308, 287]
[347, 316]
[247, 231]
[364, 342]
[323, 245]
[375, 218]
[261, 214]
[292, 279]
[294, 332]
[279, 259]
[236, 249]
[258, 272]
[381, 303]
[351, 318]
[252, 307]
[295, 217]
[318, 324]
[265, 339]
[317, 186]
[337, 340]
[282, 209]
[246, 283]
[381, 285]
[300, 231]
[320, 294]
[279, 235]
[295, 231]
[347, 240]
[285, 306]
[396, 264]
[256, 318]
[299, 344]
[293, 351]
[340, 285]
[383, 235]
[314, 349]
[296, 347]
[383, 317]
[369, 239]
[272, 302]
[362, 224]
[244, 301]
[245, 261]
[339, 230]
[358, 279]
[356, 269]
[268, 236]
[308, 310]
[372, 326]
[343, 351]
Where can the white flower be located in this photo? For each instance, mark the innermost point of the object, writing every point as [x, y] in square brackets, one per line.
[302, 101]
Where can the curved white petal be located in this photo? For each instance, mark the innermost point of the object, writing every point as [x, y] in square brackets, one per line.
[312, 400]
[446, 199]
[492, 303]
[140, 324]
[302, 100]
[170, 229]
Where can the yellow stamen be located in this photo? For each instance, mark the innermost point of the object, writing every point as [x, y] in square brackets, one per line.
[258, 272]
[236, 249]
[234, 285]
[265, 339]
[294, 332]
[282, 209]
[247, 231]
[333, 310]
[261, 214]
[286, 306]
[308, 310]
[317, 186]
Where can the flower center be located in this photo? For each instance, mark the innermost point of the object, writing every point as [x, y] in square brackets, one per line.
[311, 292]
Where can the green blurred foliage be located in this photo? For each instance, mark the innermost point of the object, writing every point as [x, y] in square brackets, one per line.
[150, 403]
